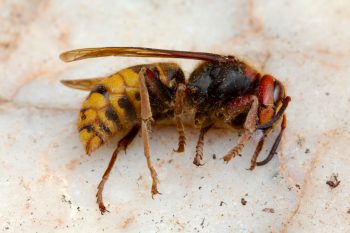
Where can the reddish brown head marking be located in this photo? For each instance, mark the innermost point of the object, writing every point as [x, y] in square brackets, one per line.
[266, 98]
[266, 89]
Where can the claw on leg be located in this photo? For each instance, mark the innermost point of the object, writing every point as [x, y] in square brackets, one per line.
[155, 181]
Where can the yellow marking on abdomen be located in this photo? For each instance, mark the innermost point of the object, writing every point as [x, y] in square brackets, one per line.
[131, 78]
[114, 84]
[96, 101]
[86, 117]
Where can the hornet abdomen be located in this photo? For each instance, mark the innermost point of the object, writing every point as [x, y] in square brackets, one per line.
[113, 105]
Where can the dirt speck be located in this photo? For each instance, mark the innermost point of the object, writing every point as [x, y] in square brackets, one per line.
[333, 181]
[243, 201]
[222, 203]
[269, 210]
[202, 223]
[66, 200]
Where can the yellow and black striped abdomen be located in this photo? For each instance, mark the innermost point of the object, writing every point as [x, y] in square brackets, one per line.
[113, 105]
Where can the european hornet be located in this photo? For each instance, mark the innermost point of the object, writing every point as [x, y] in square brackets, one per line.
[222, 89]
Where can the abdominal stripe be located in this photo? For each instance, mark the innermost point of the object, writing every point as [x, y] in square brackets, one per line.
[113, 116]
[125, 104]
[89, 128]
[101, 89]
[104, 128]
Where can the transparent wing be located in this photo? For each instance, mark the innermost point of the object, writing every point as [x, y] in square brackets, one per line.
[82, 84]
[80, 54]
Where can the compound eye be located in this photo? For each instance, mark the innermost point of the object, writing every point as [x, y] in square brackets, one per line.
[278, 92]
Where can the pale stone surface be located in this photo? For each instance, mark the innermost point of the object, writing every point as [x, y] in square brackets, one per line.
[47, 183]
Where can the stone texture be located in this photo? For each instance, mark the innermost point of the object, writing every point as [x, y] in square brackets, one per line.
[47, 184]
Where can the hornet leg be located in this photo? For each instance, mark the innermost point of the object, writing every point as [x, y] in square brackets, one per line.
[249, 124]
[179, 102]
[122, 144]
[199, 147]
[146, 115]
